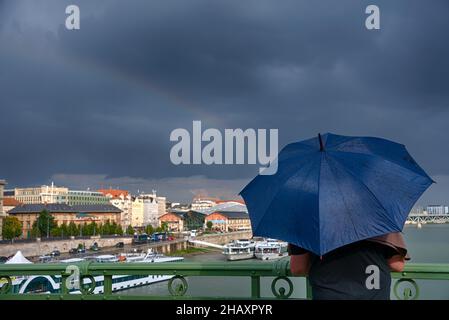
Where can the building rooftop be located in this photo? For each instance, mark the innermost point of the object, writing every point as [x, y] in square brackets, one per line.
[114, 193]
[231, 206]
[183, 213]
[11, 202]
[234, 214]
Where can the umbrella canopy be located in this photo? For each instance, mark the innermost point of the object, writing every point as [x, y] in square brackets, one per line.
[333, 190]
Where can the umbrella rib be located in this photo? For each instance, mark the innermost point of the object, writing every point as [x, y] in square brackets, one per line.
[420, 173]
[342, 196]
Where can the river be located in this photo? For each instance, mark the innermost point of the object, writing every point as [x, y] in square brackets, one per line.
[430, 244]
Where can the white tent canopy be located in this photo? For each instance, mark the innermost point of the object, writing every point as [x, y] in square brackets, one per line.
[18, 258]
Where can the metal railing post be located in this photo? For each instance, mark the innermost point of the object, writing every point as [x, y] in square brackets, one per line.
[107, 289]
[63, 287]
[255, 287]
[308, 290]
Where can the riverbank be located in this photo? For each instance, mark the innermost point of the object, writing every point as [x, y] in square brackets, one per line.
[193, 251]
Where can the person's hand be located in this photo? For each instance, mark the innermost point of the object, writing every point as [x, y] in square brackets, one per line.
[396, 263]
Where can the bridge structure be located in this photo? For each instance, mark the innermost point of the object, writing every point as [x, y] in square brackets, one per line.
[427, 218]
[262, 276]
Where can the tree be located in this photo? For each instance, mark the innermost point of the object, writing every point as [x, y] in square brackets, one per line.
[120, 230]
[130, 230]
[106, 228]
[114, 228]
[94, 228]
[72, 229]
[164, 227]
[64, 230]
[209, 225]
[90, 229]
[12, 228]
[45, 223]
[82, 229]
[149, 229]
[35, 230]
[55, 232]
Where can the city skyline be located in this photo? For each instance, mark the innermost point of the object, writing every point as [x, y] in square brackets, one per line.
[95, 107]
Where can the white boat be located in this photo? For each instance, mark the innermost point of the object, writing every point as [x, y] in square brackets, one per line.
[51, 284]
[239, 250]
[270, 249]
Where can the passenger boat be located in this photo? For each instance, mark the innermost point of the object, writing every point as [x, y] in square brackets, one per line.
[51, 284]
[239, 250]
[270, 249]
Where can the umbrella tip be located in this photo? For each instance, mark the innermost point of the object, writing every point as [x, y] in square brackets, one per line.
[321, 142]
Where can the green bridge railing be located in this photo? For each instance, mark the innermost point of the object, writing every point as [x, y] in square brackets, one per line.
[281, 285]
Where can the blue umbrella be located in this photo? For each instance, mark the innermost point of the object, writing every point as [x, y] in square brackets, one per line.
[333, 190]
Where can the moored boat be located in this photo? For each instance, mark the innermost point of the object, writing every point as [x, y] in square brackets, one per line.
[239, 250]
[51, 284]
[270, 249]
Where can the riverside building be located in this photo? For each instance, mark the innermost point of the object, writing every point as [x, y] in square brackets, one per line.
[63, 213]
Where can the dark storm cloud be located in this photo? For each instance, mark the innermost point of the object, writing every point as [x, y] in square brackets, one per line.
[103, 100]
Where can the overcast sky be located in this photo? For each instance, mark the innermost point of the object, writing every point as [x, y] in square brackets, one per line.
[95, 107]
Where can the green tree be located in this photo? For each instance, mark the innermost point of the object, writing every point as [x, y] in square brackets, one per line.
[72, 229]
[90, 229]
[120, 230]
[106, 230]
[164, 227]
[64, 230]
[149, 229]
[82, 229]
[114, 228]
[130, 230]
[35, 233]
[12, 228]
[45, 223]
[55, 232]
[209, 225]
[94, 228]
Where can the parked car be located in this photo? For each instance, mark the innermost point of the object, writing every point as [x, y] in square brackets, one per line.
[94, 247]
[45, 259]
[159, 236]
[140, 238]
[119, 244]
[55, 253]
[73, 251]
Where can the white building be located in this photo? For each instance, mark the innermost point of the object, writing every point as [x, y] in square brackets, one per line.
[52, 194]
[146, 209]
[150, 209]
[201, 204]
[437, 209]
[122, 200]
[39, 195]
[161, 204]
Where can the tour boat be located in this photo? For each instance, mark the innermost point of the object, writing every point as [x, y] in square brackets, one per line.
[51, 284]
[270, 249]
[239, 249]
